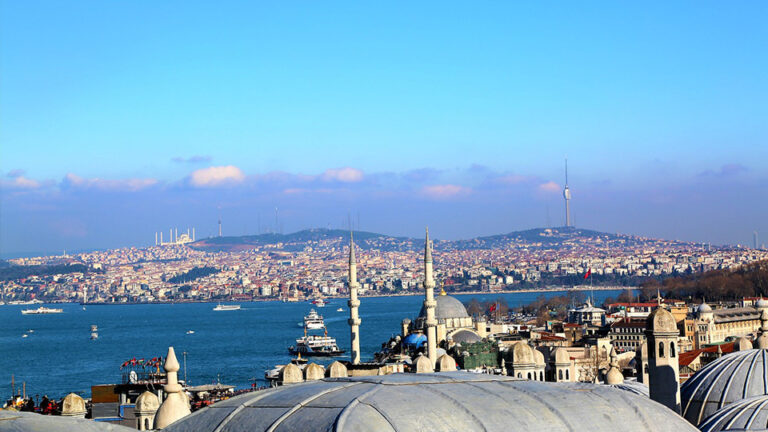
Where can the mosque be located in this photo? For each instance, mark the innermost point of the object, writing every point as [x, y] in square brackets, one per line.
[729, 394]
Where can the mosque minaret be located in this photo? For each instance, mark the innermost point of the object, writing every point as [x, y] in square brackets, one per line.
[353, 303]
[429, 302]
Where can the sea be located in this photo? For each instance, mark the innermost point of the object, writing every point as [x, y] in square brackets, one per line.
[58, 356]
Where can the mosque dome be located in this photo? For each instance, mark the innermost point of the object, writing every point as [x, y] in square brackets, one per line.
[445, 401]
[464, 336]
[703, 308]
[726, 380]
[447, 307]
[414, 340]
[749, 414]
[632, 387]
[28, 421]
[147, 402]
[762, 303]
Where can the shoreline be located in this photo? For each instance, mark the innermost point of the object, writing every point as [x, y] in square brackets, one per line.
[454, 293]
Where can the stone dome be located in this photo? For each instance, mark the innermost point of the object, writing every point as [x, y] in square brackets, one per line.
[464, 336]
[447, 307]
[704, 308]
[72, 405]
[729, 379]
[762, 303]
[632, 386]
[661, 320]
[442, 402]
[749, 414]
[562, 356]
[522, 354]
[147, 402]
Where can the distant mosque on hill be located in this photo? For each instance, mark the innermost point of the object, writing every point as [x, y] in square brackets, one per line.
[421, 384]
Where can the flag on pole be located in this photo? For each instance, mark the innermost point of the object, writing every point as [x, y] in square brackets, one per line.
[588, 273]
[492, 308]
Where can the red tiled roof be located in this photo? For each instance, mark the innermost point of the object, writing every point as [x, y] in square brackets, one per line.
[687, 357]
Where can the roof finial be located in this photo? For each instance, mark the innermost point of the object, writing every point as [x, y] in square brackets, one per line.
[442, 289]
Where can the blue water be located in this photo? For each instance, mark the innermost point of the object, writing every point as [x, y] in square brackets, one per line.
[235, 346]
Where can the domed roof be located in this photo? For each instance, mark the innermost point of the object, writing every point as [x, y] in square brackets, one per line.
[726, 380]
[704, 308]
[148, 402]
[28, 421]
[762, 303]
[749, 414]
[72, 404]
[445, 401]
[447, 307]
[522, 354]
[465, 336]
[414, 340]
[661, 320]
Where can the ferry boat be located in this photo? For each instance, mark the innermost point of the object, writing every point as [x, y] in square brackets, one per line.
[316, 346]
[313, 321]
[41, 310]
[221, 307]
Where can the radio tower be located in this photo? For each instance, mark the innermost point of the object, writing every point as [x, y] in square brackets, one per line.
[219, 225]
[567, 196]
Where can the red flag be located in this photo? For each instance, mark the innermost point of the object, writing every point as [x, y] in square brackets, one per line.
[589, 272]
[492, 308]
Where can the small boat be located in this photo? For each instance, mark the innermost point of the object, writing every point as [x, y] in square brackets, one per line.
[25, 335]
[319, 302]
[94, 328]
[94, 335]
[313, 321]
[30, 331]
[190, 332]
[340, 310]
[41, 310]
[221, 307]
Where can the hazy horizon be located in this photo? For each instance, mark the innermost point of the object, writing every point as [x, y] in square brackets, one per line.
[122, 120]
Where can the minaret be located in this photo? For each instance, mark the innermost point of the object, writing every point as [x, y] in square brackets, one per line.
[567, 196]
[429, 302]
[161, 238]
[353, 303]
[155, 238]
[193, 233]
[663, 365]
[176, 403]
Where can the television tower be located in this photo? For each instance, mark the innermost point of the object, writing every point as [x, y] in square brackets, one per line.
[219, 226]
[567, 196]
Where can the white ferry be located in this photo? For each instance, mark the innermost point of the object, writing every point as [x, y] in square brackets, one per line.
[313, 321]
[41, 310]
[221, 307]
[320, 346]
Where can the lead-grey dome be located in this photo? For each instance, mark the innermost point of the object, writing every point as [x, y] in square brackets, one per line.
[13, 421]
[750, 414]
[447, 401]
[447, 307]
[726, 380]
[464, 336]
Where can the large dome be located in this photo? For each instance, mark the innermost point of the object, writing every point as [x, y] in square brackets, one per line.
[447, 307]
[726, 380]
[745, 415]
[446, 401]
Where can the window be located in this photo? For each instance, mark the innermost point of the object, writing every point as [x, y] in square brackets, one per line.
[560, 375]
[566, 375]
[541, 376]
[672, 349]
[529, 375]
[661, 349]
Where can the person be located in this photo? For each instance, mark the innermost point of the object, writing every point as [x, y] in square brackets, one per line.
[45, 405]
[29, 406]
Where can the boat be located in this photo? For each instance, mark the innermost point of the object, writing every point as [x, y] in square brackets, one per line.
[340, 310]
[221, 307]
[190, 332]
[41, 310]
[319, 302]
[315, 346]
[313, 321]
[94, 335]
[25, 335]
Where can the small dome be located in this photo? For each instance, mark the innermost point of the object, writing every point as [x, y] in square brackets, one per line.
[703, 308]
[661, 320]
[538, 358]
[762, 303]
[72, 404]
[726, 380]
[147, 402]
[414, 340]
[522, 354]
[562, 356]
[447, 307]
[465, 336]
[749, 414]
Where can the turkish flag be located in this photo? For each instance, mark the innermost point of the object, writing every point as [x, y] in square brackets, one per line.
[589, 273]
[492, 308]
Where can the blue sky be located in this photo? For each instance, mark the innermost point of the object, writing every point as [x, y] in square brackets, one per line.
[123, 118]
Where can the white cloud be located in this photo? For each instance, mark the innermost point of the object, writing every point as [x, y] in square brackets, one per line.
[445, 191]
[216, 176]
[346, 175]
[74, 181]
[549, 187]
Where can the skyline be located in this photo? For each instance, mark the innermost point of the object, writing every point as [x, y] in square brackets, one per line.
[122, 120]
